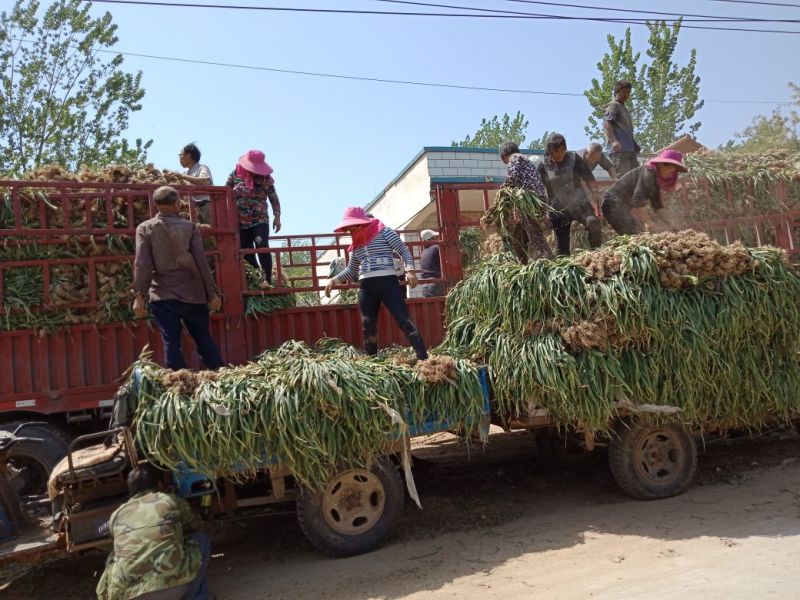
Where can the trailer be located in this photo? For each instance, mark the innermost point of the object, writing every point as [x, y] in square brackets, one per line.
[353, 513]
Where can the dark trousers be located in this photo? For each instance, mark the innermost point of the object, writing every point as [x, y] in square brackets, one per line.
[386, 290]
[527, 241]
[257, 236]
[576, 207]
[619, 216]
[170, 315]
[623, 162]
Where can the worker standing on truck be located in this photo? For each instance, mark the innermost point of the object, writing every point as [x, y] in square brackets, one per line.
[171, 269]
[372, 263]
[196, 174]
[618, 127]
[430, 266]
[159, 552]
[566, 178]
[253, 185]
[527, 238]
[593, 155]
[638, 187]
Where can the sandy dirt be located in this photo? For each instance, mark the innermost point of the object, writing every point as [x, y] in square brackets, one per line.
[498, 524]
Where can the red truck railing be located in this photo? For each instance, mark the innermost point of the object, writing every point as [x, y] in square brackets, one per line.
[75, 369]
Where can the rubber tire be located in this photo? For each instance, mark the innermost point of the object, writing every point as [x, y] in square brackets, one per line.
[47, 453]
[553, 453]
[335, 544]
[622, 460]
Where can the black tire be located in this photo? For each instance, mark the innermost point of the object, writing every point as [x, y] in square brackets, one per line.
[652, 461]
[32, 462]
[376, 498]
[566, 451]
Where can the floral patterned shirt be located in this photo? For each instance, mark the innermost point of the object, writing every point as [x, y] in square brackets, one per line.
[252, 204]
[522, 173]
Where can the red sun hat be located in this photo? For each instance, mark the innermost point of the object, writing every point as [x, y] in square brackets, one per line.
[670, 157]
[354, 215]
[254, 162]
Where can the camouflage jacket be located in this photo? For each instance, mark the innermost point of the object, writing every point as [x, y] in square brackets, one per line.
[150, 552]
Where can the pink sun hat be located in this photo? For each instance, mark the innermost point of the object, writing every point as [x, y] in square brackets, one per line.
[254, 162]
[354, 215]
[670, 157]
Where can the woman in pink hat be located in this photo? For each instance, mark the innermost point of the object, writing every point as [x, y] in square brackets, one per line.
[638, 187]
[371, 262]
[253, 185]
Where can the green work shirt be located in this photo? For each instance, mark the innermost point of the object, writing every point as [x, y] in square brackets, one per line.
[150, 550]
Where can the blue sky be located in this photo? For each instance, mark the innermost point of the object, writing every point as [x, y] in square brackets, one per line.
[336, 143]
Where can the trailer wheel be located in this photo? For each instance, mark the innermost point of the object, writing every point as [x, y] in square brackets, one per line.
[566, 451]
[31, 463]
[356, 511]
[652, 461]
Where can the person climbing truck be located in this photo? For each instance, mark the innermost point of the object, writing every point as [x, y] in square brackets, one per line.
[527, 238]
[566, 177]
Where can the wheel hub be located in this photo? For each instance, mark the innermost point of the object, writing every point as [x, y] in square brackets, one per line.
[353, 502]
[659, 456]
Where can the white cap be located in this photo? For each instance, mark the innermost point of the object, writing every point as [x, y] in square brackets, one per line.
[428, 234]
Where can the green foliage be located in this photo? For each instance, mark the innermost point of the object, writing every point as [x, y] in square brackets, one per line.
[777, 131]
[64, 99]
[671, 319]
[312, 411]
[665, 96]
[493, 132]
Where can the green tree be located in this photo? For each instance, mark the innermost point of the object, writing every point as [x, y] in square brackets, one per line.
[665, 95]
[777, 131]
[493, 132]
[64, 99]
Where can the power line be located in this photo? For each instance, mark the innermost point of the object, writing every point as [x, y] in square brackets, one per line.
[633, 20]
[396, 81]
[425, 14]
[721, 18]
[758, 3]
[379, 79]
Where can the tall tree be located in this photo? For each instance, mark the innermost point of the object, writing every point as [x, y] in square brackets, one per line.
[493, 132]
[778, 131]
[64, 99]
[665, 95]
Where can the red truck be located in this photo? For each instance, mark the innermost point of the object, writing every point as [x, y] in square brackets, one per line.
[68, 377]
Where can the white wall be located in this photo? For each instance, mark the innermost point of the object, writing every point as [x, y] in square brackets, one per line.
[406, 197]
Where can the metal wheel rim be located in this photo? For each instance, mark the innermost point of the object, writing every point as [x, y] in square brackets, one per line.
[659, 456]
[353, 502]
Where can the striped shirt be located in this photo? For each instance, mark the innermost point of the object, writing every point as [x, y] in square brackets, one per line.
[375, 259]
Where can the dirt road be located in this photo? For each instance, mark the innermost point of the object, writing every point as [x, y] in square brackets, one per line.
[498, 525]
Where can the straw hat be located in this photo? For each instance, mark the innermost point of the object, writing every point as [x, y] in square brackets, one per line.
[670, 157]
[353, 215]
[253, 161]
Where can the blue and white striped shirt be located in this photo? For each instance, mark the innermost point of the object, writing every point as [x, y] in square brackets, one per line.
[375, 259]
